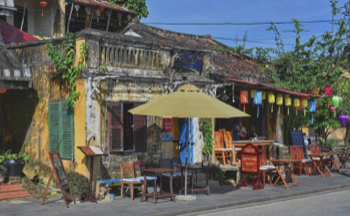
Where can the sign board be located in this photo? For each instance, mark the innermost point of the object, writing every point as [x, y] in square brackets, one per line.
[168, 125]
[166, 137]
[61, 177]
[250, 164]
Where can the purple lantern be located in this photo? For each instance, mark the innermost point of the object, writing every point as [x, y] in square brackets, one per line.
[343, 118]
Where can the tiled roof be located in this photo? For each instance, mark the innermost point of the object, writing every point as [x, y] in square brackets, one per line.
[230, 64]
[102, 3]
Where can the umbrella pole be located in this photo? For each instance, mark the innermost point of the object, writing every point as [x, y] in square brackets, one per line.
[186, 157]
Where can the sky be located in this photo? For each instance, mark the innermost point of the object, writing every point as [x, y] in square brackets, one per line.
[241, 11]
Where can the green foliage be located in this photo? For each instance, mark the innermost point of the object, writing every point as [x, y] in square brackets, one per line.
[139, 7]
[316, 63]
[3, 170]
[78, 183]
[62, 56]
[208, 138]
[8, 155]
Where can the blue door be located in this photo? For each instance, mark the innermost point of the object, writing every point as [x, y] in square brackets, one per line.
[182, 141]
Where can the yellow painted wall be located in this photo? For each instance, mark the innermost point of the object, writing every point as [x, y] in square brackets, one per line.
[79, 128]
[79, 118]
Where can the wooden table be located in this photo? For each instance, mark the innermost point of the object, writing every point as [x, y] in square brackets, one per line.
[195, 168]
[242, 143]
[342, 158]
[223, 152]
[286, 163]
[319, 158]
[155, 195]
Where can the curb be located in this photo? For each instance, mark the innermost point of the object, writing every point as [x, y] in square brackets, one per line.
[250, 201]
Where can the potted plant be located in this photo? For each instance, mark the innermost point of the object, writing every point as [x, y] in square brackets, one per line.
[79, 185]
[15, 163]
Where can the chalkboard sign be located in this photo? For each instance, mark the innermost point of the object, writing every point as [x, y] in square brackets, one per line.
[58, 166]
[62, 180]
[297, 137]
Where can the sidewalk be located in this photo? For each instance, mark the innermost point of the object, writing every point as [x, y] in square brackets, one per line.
[221, 197]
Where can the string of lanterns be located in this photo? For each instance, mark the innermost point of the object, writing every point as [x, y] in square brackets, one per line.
[302, 103]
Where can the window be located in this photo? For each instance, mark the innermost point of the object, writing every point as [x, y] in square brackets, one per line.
[61, 129]
[127, 132]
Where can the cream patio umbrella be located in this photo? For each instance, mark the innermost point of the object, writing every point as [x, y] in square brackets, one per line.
[188, 102]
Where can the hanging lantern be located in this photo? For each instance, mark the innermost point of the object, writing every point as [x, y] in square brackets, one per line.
[252, 92]
[279, 102]
[88, 12]
[129, 17]
[296, 104]
[263, 96]
[343, 118]
[244, 98]
[43, 4]
[312, 109]
[98, 14]
[120, 15]
[77, 7]
[271, 99]
[2, 91]
[304, 103]
[258, 100]
[333, 110]
[102, 9]
[336, 101]
[287, 102]
[315, 90]
[328, 91]
[233, 93]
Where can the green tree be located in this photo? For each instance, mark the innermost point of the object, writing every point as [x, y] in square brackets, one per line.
[314, 64]
[139, 7]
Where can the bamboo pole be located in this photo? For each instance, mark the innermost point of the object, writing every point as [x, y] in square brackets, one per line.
[24, 13]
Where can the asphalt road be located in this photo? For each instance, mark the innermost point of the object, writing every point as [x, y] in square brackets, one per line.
[331, 203]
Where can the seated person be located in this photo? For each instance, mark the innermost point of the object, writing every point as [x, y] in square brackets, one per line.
[239, 132]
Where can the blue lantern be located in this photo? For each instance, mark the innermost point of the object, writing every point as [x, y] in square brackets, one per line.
[258, 100]
[312, 109]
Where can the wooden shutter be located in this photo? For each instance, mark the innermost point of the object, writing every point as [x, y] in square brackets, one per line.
[140, 132]
[116, 129]
[66, 132]
[54, 126]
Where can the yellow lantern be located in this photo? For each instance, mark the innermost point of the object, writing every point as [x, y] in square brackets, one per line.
[304, 103]
[271, 99]
[296, 103]
[287, 102]
[315, 90]
[263, 97]
[279, 101]
[252, 92]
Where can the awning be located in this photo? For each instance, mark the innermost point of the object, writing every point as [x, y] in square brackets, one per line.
[102, 3]
[13, 75]
[269, 86]
[11, 34]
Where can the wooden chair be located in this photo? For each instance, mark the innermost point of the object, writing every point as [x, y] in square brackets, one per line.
[314, 149]
[132, 183]
[176, 163]
[264, 168]
[297, 152]
[218, 144]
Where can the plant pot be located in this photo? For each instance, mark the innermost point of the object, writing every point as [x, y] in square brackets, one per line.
[2, 178]
[14, 167]
[77, 197]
